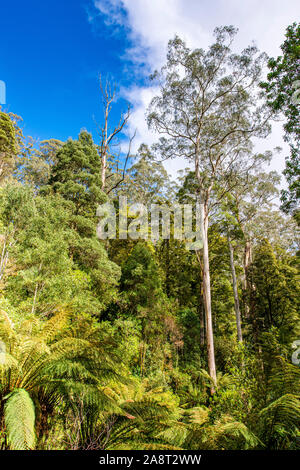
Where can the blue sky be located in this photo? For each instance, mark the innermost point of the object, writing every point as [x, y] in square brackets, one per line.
[51, 56]
[52, 51]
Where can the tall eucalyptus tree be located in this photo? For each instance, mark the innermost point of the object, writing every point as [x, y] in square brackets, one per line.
[207, 111]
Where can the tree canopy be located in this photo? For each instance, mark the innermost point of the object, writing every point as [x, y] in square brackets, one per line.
[142, 343]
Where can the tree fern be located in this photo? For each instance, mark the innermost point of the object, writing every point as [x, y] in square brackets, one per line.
[281, 422]
[63, 368]
[278, 421]
[19, 416]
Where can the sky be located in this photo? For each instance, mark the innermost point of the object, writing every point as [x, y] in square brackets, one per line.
[52, 52]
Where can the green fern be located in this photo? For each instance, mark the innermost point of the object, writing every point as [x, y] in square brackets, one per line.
[281, 421]
[19, 416]
[63, 369]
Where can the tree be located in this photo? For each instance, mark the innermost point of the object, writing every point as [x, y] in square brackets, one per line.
[235, 293]
[275, 292]
[76, 178]
[34, 166]
[250, 195]
[282, 91]
[109, 139]
[10, 140]
[147, 180]
[146, 303]
[37, 271]
[206, 114]
[49, 365]
[140, 277]
[76, 174]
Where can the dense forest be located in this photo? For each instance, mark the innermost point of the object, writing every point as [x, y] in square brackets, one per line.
[142, 343]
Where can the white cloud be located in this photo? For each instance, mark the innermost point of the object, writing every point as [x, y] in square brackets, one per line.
[140, 98]
[151, 23]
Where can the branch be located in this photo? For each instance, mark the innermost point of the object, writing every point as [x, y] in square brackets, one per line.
[125, 164]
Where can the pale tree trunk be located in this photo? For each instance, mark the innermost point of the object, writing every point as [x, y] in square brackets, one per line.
[202, 318]
[201, 304]
[207, 296]
[104, 143]
[103, 172]
[108, 136]
[249, 304]
[246, 263]
[235, 293]
[247, 258]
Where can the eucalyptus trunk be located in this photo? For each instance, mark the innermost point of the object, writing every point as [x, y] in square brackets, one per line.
[207, 296]
[201, 316]
[235, 294]
[103, 172]
[246, 284]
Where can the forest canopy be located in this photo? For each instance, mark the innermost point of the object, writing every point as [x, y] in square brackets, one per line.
[142, 343]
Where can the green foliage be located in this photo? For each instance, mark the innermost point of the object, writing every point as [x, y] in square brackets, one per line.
[276, 292]
[62, 365]
[34, 164]
[19, 416]
[140, 278]
[147, 180]
[105, 344]
[44, 274]
[76, 174]
[282, 90]
[10, 140]
[279, 419]
[223, 434]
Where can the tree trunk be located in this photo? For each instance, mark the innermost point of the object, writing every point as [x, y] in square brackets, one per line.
[202, 326]
[201, 314]
[103, 172]
[246, 263]
[168, 290]
[247, 260]
[235, 293]
[207, 296]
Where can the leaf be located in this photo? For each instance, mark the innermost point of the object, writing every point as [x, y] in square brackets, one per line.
[19, 415]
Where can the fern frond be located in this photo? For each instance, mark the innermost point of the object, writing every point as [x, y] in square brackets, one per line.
[19, 416]
[282, 416]
[53, 326]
